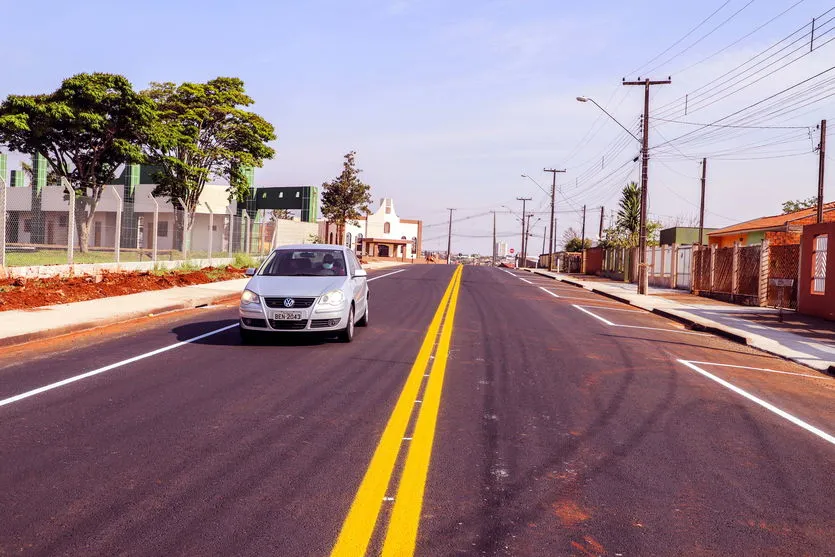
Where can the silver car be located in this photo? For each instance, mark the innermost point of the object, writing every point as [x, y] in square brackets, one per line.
[306, 288]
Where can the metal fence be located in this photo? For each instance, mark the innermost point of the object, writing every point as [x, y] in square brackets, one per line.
[51, 229]
[783, 263]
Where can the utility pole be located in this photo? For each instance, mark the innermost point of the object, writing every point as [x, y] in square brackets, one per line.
[702, 205]
[583, 233]
[524, 200]
[600, 232]
[494, 238]
[527, 237]
[553, 200]
[449, 239]
[544, 237]
[822, 153]
[643, 279]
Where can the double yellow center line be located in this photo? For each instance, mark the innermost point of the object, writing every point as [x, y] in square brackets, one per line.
[401, 533]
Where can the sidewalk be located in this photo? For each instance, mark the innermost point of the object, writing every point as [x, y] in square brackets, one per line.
[803, 339]
[19, 326]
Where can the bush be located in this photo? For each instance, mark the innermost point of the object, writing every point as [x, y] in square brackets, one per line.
[244, 260]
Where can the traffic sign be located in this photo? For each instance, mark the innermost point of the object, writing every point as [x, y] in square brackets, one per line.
[512, 250]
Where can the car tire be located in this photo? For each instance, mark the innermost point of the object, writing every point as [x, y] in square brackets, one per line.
[247, 336]
[347, 334]
[363, 322]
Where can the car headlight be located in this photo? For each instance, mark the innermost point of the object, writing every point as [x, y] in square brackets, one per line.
[249, 297]
[333, 298]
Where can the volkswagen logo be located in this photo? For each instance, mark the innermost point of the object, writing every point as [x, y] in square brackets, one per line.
[289, 302]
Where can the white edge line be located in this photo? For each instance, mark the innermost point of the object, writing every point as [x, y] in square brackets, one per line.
[67, 381]
[768, 406]
[761, 369]
[386, 275]
[549, 292]
[618, 309]
[587, 312]
[525, 280]
[609, 323]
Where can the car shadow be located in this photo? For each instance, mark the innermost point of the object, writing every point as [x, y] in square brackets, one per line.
[193, 332]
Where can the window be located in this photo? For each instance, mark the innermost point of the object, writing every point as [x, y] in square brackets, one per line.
[27, 225]
[162, 229]
[305, 263]
[387, 228]
[330, 240]
[348, 239]
[819, 264]
[62, 220]
[359, 243]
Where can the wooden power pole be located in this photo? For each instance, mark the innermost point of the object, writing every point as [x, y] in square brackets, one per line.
[494, 238]
[600, 232]
[702, 205]
[822, 154]
[553, 201]
[524, 200]
[449, 239]
[643, 278]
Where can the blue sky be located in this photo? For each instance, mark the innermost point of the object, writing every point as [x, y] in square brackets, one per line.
[448, 103]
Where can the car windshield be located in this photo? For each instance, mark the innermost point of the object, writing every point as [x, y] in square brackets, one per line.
[305, 263]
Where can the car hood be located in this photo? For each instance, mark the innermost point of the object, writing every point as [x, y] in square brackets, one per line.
[295, 287]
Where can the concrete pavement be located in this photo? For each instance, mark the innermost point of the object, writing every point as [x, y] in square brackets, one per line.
[728, 320]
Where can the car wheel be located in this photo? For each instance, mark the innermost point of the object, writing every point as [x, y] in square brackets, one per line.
[363, 322]
[347, 334]
[247, 336]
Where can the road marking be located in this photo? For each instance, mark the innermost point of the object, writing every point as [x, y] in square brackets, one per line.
[358, 527]
[768, 406]
[610, 324]
[386, 275]
[622, 310]
[401, 535]
[67, 381]
[761, 369]
[525, 280]
[549, 292]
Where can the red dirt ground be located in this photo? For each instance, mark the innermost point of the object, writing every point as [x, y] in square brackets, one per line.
[20, 293]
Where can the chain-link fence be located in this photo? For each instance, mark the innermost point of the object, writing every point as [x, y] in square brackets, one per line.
[46, 227]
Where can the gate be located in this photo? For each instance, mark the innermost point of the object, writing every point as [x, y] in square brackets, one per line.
[684, 267]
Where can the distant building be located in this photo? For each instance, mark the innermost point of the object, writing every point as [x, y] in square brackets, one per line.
[501, 249]
[682, 235]
[380, 234]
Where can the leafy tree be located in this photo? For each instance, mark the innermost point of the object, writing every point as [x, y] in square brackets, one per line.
[51, 177]
[345, 198]
[86, 129]
[571, 239]
[282, 214]
[799, 205]
[203, 132]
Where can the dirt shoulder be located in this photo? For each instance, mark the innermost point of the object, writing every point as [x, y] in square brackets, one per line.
[21, 293]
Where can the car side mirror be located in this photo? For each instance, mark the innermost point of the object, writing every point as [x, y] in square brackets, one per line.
[360, 273]
[250, 272]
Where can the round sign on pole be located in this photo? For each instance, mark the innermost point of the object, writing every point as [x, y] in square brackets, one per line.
[512, 250]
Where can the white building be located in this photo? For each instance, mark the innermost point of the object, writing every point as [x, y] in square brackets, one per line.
[501, 249]
[381, 234]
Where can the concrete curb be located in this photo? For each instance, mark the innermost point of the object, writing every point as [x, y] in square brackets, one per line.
[754, 341]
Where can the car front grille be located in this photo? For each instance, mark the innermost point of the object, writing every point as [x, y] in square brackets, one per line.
[288, 325]
[298, 303]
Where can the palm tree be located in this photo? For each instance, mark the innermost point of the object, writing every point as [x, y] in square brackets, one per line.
[629, 213]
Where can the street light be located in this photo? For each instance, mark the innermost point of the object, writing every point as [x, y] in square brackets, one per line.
[589, 99]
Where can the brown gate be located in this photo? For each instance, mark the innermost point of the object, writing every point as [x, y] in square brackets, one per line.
[784, 263]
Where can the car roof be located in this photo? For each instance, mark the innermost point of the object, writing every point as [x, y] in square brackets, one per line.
[310, 247]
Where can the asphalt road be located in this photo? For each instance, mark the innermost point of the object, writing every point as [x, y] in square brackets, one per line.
[483, 412]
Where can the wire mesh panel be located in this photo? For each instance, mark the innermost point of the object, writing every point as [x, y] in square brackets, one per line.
[684, 267]
[784, 262]
[723, 272]
[748, 271]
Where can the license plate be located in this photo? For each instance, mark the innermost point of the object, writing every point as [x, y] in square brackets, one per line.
[287, 316]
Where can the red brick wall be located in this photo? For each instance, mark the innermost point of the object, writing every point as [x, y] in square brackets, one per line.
[594, 261]
[821, 305]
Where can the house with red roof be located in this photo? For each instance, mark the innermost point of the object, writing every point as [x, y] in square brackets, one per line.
[778, 230]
